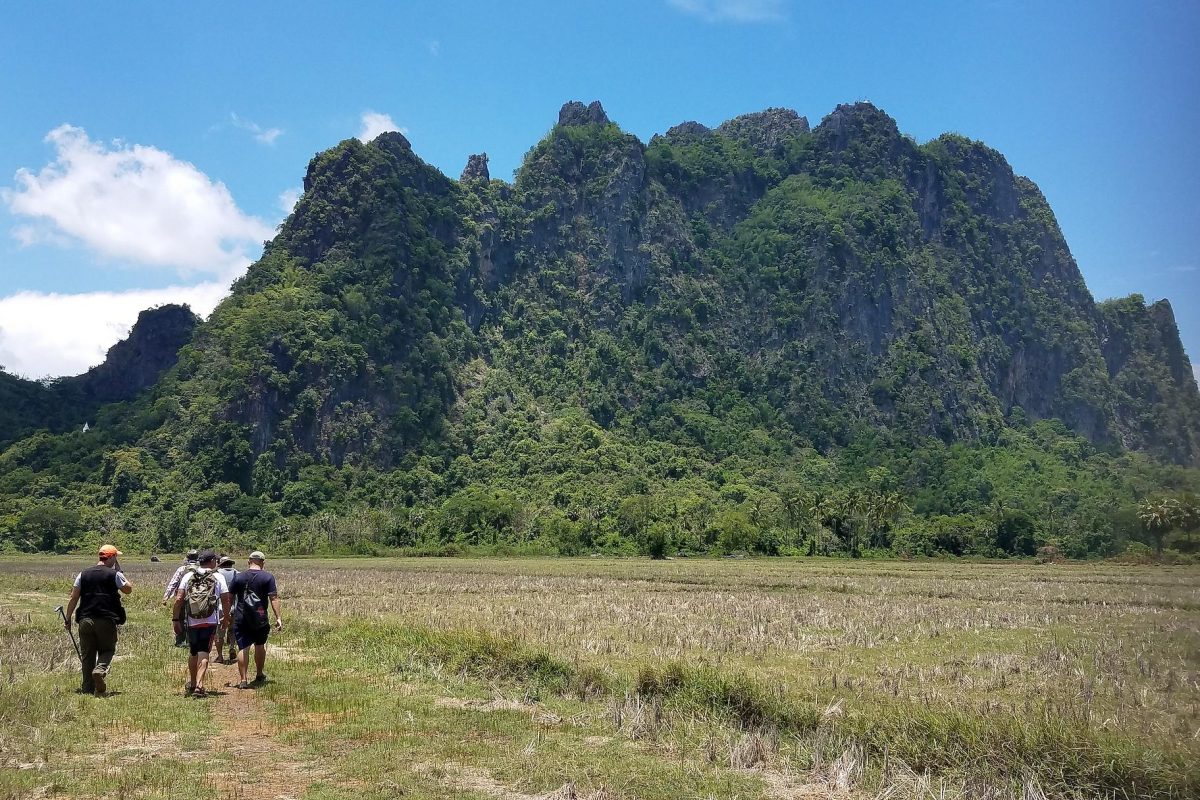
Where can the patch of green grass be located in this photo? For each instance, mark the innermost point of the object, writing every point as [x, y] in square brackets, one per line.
[1062, 755]
[55, 740]
[1059, 752]
[735, 696]
[392, 730]
[413, 678]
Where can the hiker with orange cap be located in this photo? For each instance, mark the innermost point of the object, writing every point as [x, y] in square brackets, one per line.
[96, 605]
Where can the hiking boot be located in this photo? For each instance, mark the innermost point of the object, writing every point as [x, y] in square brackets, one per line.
[98, 682]
[189, 690]
[242, 685]
[260, 679]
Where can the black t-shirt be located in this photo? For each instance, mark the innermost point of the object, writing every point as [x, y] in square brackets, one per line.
[258, 581]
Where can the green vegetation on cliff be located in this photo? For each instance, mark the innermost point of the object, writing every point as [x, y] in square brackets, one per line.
[756, 338]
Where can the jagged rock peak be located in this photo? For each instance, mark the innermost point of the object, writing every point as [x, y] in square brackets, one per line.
[392, 140]
[689, 130]
[476, 168]
[849, 115]
[576, 113]
[765, 130]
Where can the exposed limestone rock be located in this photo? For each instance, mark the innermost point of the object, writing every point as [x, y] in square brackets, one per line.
[576, 113]
[476, 168]
[765, 130]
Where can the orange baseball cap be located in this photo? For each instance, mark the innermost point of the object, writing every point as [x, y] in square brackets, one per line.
[108, 551]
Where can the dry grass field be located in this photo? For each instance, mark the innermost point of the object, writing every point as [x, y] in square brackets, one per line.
[596, 678]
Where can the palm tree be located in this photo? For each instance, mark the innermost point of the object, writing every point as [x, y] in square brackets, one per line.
[859, 509]
[794, 507]
[827, 511]
[1187, 517]
[886, 507]
[1158, 518]
[999, 507]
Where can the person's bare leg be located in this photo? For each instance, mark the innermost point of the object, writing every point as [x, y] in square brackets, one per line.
[201, 669]
[243, 656]
[260, 658]
[192, 665]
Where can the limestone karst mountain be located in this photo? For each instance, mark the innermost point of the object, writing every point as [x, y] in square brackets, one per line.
[762, 304]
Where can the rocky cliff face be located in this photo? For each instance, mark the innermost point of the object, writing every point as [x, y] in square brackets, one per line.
[135, 363]
[332, 346]
[1153, 389]
[817, 282]
[715, 323]
[923, 288]
[131, 366]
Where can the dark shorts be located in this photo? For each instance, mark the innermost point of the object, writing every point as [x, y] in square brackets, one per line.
[245, 638]
[200, 640]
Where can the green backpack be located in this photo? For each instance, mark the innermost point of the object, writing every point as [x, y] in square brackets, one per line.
[201, 597]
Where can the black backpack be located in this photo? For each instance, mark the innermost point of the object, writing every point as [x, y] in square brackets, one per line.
[252, 610]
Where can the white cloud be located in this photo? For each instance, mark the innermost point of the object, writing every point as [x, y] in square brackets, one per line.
[49, 335]
[261, 135]
[29, 235]
[374, 123]
[128, 203]
[134, 203]
[732, 10]
[288, 199]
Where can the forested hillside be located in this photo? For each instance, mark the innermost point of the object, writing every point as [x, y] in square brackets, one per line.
[762, 337]
[132, 365]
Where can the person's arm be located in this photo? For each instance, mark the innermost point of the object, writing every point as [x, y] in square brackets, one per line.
[123, 583]
[226, 604]
[173, 585]
[71, 605]
[177, 611]
[278, 618]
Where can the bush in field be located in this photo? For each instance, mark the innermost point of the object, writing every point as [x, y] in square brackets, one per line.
[658, 540]
[561, 533]
[1016, 534]
[958, 535]
[1048, 554]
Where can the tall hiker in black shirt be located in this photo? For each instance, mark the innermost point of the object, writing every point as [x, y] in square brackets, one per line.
[96, 606]
[254, 589]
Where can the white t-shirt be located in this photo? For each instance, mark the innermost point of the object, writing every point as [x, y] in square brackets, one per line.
[219, 589]
[120, 580]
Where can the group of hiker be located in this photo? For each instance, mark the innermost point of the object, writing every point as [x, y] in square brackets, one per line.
[213, 606]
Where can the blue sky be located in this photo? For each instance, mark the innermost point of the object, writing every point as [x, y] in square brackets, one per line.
[147, 148]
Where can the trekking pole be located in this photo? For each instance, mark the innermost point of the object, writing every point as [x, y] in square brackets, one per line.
[69, 633]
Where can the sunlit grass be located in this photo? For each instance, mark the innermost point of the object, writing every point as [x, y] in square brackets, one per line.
[630, 678]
